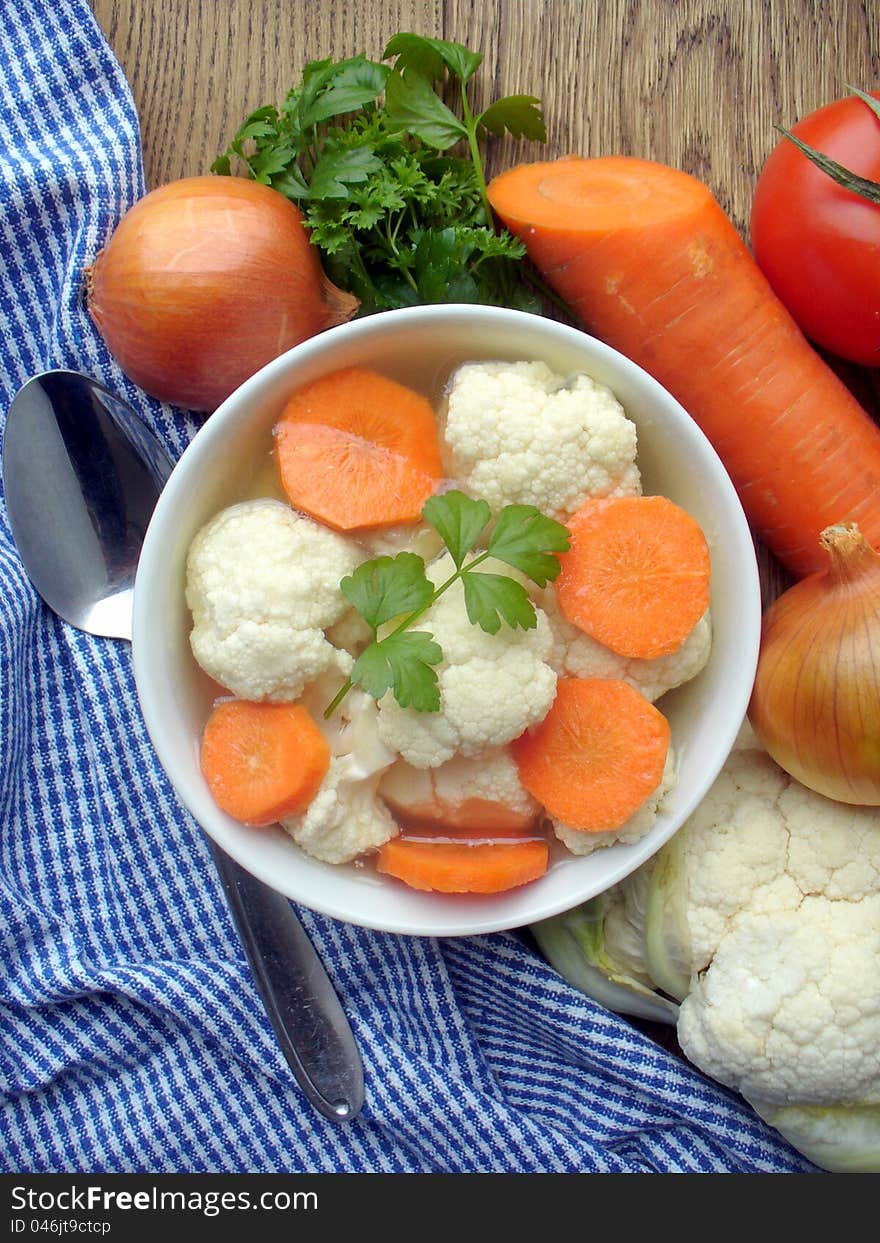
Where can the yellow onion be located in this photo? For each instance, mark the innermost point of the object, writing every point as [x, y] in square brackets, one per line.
[816, 700]
[203, 282]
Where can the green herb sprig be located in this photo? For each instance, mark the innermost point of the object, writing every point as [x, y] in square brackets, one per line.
[397, 590]
[366, 150]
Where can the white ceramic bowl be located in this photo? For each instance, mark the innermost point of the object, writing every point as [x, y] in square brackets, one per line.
[419, 345]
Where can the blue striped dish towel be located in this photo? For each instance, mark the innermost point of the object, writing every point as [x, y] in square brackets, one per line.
[133, 1039]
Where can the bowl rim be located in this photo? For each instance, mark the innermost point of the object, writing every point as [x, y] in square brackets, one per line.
[215, 427]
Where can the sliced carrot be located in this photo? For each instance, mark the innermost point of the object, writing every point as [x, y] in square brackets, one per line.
[346, 482]
[651, 264]
[263, 761]
[452, 867]
[636, 577]
[597, 756]
[356, 449]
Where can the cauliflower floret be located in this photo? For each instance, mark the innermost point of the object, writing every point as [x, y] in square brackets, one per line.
[492, 687]
[483, 793]
[262, 583]
[492, 776]
[346, 818]
[578, 655]
[518, 433]
[640, 823]
[351, 633]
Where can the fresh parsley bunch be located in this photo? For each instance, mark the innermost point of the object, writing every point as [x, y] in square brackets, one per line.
[397, 590]
[371, 154]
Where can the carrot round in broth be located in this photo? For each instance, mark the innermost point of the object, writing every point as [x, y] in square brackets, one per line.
[649, 261]
[597, 756]
[636, 577]
[263, 761]
[356, 450]
[453, 867]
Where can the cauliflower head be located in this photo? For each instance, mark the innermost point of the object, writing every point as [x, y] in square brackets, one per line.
[262, 583]
[519, 433]
[781, 892]
[761, 916]
[492, 687]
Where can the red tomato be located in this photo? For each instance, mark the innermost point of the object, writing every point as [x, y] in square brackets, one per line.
[819, 244]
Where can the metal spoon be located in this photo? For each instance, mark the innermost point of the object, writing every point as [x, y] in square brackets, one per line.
[82, 474]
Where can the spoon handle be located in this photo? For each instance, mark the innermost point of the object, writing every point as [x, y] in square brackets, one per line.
[300, 1000]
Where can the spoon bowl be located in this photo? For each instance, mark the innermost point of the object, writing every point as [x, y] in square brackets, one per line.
[81, 476]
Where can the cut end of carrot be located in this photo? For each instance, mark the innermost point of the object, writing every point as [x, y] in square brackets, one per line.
[584, 196]
[637, 575]
[356, 450]
[597, 756]
[453, 867]
[263, 761]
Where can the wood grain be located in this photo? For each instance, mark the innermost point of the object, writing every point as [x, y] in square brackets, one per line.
[695, 83]
[699, 84]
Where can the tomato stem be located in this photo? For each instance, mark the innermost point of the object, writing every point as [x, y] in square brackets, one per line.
[845, 177]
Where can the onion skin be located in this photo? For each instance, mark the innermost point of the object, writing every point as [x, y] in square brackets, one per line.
[204, 281]
[816, 700]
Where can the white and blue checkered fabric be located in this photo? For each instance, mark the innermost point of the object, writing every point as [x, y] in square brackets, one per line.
[132, 1036]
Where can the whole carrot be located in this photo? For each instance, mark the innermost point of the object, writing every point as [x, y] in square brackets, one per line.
[650, 262]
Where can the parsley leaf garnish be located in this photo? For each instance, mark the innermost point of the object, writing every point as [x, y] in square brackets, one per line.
[386, 587]
[396, 592]
[525, 539]
[384, 161]
[458, 520]
[491, 599]
[402, 664]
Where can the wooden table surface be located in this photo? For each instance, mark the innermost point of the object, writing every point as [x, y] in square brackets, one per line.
[699, 84]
